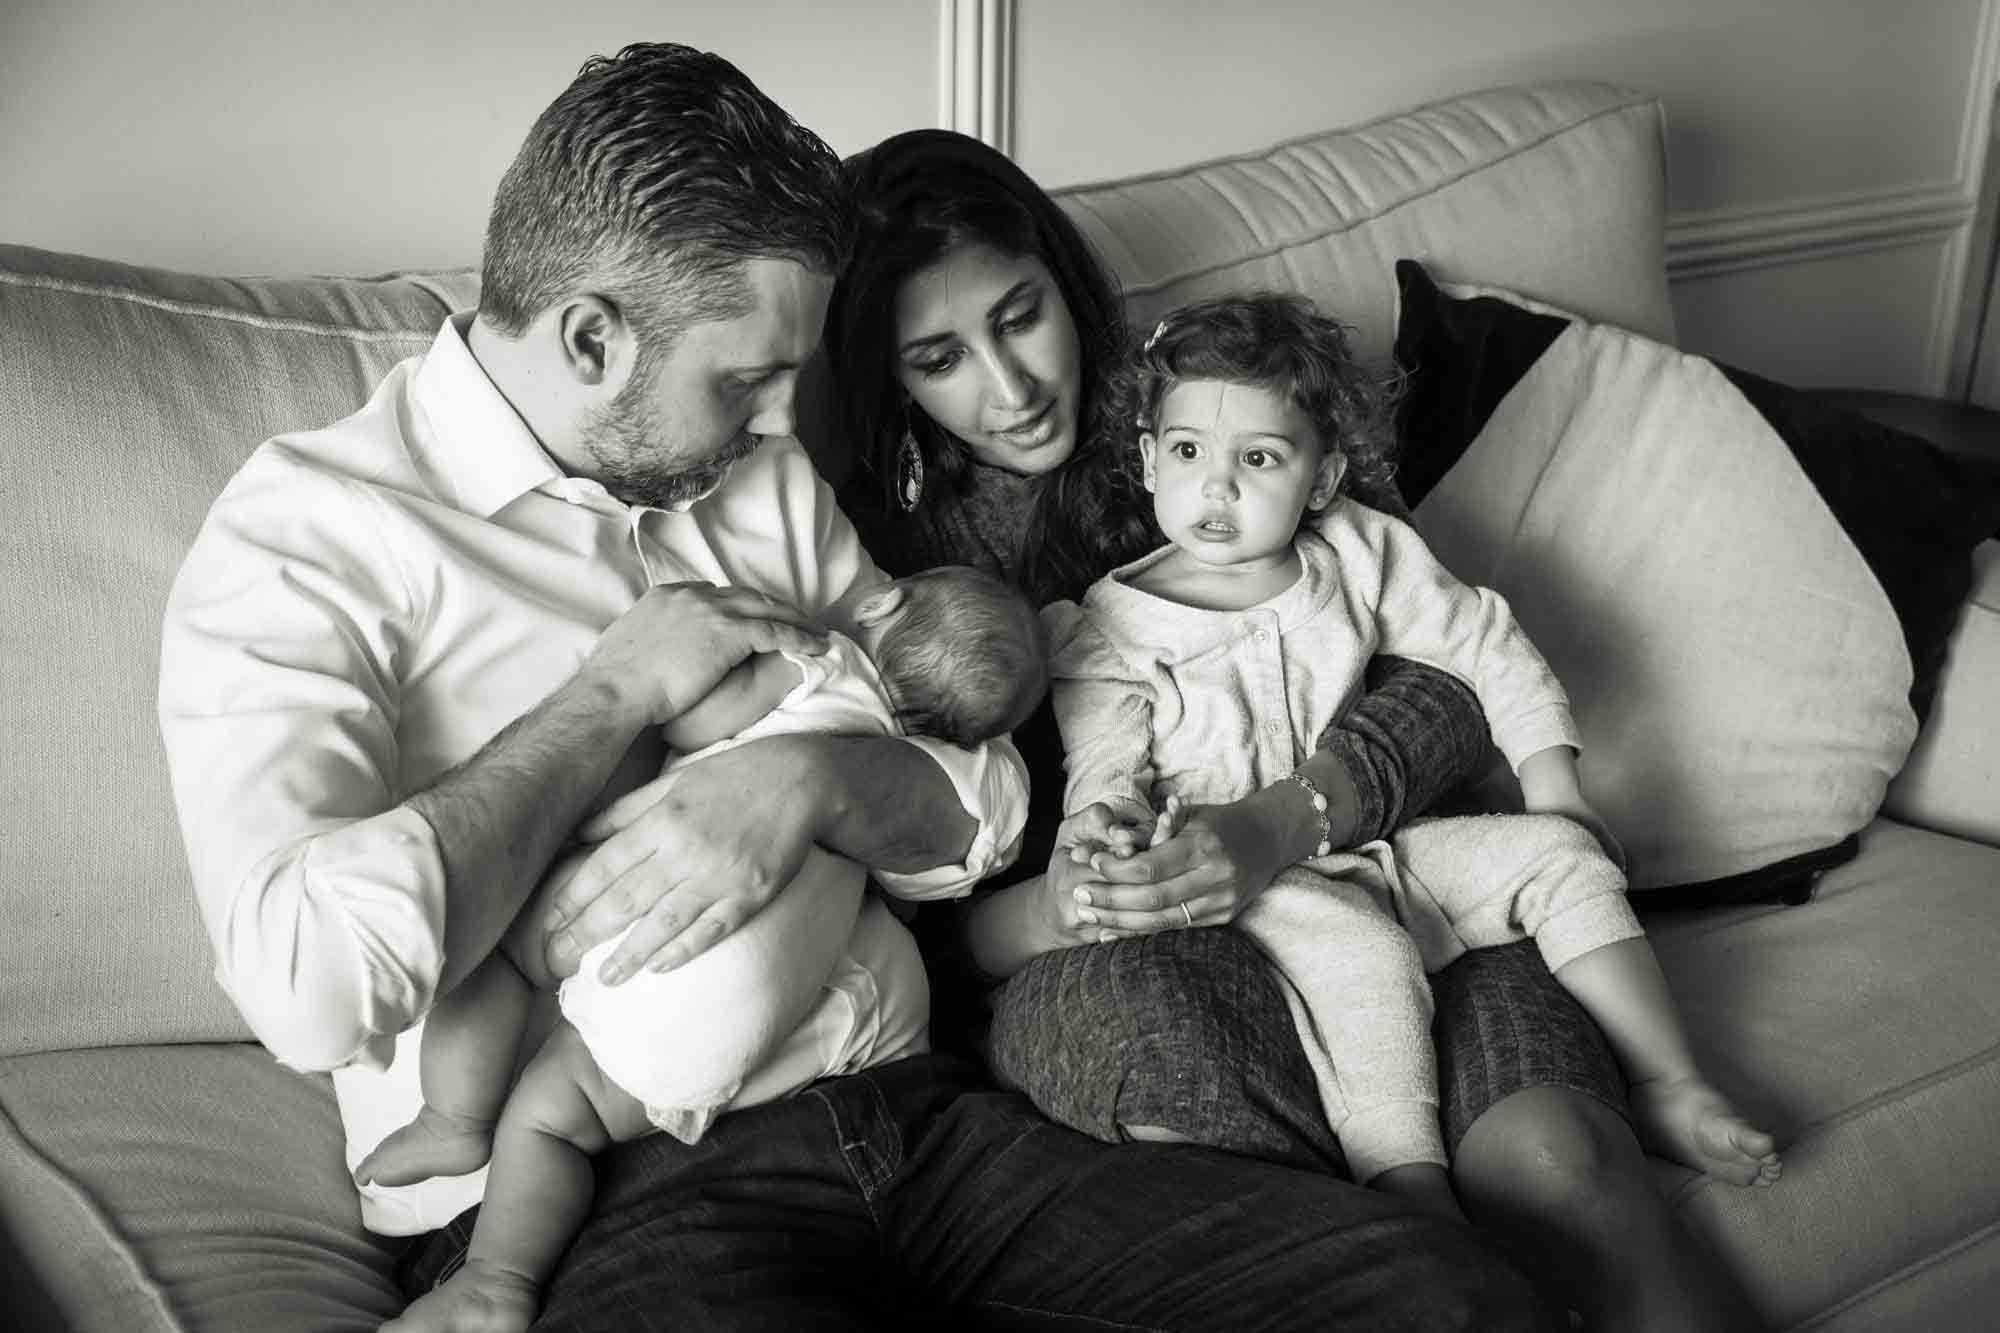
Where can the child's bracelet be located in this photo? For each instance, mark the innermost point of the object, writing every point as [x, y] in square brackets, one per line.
[1319, 809]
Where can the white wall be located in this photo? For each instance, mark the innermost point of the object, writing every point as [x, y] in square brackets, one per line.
[1824, 155]
[353, 136]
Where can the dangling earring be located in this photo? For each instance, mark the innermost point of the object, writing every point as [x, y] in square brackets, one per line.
[909, 472]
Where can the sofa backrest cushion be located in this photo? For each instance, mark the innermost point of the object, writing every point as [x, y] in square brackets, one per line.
[128, 395]
[1555, 191]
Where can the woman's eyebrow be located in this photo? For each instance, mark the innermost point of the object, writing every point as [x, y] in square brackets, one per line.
[1011, 295]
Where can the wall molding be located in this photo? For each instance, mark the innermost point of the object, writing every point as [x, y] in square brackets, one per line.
[1947, 214]
[1705, 245]
[975, 63]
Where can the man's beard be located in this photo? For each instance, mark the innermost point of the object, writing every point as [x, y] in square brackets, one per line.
[622, 437]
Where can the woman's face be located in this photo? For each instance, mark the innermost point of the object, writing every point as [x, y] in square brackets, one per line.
[986, 347]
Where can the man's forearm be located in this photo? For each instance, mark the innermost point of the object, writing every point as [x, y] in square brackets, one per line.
[886, 803]
[501, 816]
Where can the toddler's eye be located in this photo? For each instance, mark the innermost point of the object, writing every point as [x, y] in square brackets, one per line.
[1185, 450]
[1257, 458]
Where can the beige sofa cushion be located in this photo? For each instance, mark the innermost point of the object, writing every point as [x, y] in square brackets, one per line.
[1863, 1027]
[131, 396]
[1952, 780]
[161, 1188]
[1555, 191]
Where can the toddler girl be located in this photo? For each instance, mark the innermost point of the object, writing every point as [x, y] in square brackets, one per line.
[1201, 673]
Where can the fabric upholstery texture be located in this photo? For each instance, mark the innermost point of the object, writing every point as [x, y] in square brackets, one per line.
[1864, 1029]
[132, 395]
[1743, 657]
[158, 1175]
[1952, 781]
[1510, 185]
[187, 1187]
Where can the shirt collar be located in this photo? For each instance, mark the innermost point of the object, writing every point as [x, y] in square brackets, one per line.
[478, 447]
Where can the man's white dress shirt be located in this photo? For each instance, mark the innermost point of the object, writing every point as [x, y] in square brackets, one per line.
[365, 607]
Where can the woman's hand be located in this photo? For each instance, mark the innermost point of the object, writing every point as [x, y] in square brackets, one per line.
[712, 846]
[1204, 873]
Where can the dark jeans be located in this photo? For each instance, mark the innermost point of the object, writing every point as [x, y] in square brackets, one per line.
[918, 1196]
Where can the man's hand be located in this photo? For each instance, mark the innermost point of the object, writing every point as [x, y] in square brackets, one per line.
[722, 837]
[669, 650]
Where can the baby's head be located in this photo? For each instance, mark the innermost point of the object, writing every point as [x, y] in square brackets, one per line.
[962, 654]
[1252, 412]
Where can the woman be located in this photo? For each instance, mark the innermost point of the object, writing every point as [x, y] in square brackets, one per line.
[969, 341]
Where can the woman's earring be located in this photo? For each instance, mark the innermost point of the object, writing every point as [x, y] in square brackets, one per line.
[909, 473]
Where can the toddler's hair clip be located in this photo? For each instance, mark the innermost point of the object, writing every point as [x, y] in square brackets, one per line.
[1154, 337]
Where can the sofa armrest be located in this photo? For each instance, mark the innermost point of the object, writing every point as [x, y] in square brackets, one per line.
[1957, 428]
[1954, 768]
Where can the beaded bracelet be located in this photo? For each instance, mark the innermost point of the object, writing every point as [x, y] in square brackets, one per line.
[1319, 809]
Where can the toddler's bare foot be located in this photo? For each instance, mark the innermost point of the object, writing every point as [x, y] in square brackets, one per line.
[436, 1143]
[1689, 1121]
[476, 1299]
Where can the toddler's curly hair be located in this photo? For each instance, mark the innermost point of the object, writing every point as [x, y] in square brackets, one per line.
[1280, 342]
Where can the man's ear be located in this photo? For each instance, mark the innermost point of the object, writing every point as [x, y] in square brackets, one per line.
[596, 343]
[879, 607]
[1326, 480]
[1146, 446]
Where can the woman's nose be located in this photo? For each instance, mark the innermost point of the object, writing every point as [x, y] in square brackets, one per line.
[1012, 384]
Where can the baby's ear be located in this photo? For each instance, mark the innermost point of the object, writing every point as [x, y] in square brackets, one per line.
[1146, 446]
[1326, 480]
[879, 607]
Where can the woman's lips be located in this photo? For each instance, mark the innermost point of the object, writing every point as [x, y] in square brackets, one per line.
[1036, 429]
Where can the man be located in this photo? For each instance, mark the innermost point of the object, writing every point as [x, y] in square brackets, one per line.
[407, 652]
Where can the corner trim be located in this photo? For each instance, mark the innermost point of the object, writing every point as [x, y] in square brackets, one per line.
[975, 68]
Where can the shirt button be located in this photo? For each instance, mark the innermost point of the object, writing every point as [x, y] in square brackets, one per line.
[1273, 727]
[1262, 636]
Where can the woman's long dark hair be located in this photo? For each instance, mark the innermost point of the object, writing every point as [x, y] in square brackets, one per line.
[920, 195]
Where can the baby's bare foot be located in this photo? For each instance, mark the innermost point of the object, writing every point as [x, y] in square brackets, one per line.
[1691, 1122]
[436, 1143]
[476, 1299]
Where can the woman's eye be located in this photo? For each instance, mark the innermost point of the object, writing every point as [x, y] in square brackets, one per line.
[1022, 320]
[942, 364]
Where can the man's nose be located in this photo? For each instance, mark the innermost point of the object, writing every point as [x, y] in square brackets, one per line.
[776, 410]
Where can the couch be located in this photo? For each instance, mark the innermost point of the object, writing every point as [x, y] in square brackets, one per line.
[159, 1171]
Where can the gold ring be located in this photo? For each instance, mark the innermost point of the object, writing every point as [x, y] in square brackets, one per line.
[1189, 916]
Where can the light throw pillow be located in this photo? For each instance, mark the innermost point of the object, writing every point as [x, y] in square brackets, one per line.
[1743, 660]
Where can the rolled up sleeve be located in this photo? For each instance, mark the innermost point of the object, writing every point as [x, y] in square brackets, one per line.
[323, 897]
[992, 785]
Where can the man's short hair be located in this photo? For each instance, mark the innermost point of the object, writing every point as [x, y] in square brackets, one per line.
[648, 182]
[968, 658]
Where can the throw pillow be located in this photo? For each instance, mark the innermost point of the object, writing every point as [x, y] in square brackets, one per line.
[1746, 592]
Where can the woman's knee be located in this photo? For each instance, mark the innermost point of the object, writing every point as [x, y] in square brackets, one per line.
[1551, 1150]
